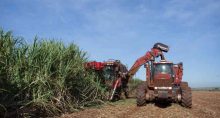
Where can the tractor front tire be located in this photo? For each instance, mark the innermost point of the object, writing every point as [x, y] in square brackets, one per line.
[141, 94]
[186, 99]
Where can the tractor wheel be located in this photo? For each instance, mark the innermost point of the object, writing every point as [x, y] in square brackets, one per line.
[117, 95]
[141, 94]
[126, 92]
[184, 84]
[186, 95]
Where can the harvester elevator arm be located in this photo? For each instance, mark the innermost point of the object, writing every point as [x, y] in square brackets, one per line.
[156, 51]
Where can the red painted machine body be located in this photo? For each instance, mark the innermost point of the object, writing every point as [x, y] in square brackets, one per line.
[178, 70]
[113, 75]
[163, 79]
[94, 65]
[174, 77]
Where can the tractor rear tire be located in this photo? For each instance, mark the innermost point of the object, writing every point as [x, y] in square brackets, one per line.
[186, 99]
[184, 84]
[141, 94]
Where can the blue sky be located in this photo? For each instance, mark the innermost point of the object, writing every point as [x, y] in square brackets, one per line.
[126, 29]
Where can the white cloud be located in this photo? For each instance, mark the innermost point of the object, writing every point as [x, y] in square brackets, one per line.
[189, 12]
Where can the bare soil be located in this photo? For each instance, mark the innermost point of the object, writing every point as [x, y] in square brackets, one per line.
[206, 104]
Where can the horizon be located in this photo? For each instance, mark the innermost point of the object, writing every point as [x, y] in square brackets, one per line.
[118, 29]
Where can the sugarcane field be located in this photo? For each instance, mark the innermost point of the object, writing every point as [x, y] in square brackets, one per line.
[109, 59]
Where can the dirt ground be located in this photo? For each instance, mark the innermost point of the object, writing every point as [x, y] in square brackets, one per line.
[206, 104]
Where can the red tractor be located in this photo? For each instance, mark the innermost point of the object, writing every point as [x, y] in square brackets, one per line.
[163, 79]
[113, 77]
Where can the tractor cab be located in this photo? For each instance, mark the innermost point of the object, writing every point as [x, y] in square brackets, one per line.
[160, 74]
[110, 70]
[109, 73]
[162, 70]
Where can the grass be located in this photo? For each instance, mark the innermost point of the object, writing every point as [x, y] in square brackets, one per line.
[44, 78]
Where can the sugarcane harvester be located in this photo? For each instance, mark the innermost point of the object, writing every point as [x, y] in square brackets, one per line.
[163, 79]
[113, 77]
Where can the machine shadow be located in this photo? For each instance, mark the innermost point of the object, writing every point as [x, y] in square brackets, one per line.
[162, 104]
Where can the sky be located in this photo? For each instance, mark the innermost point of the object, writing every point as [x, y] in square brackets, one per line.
[126, 30]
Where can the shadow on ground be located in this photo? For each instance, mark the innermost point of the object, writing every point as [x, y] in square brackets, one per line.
[162, 104]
